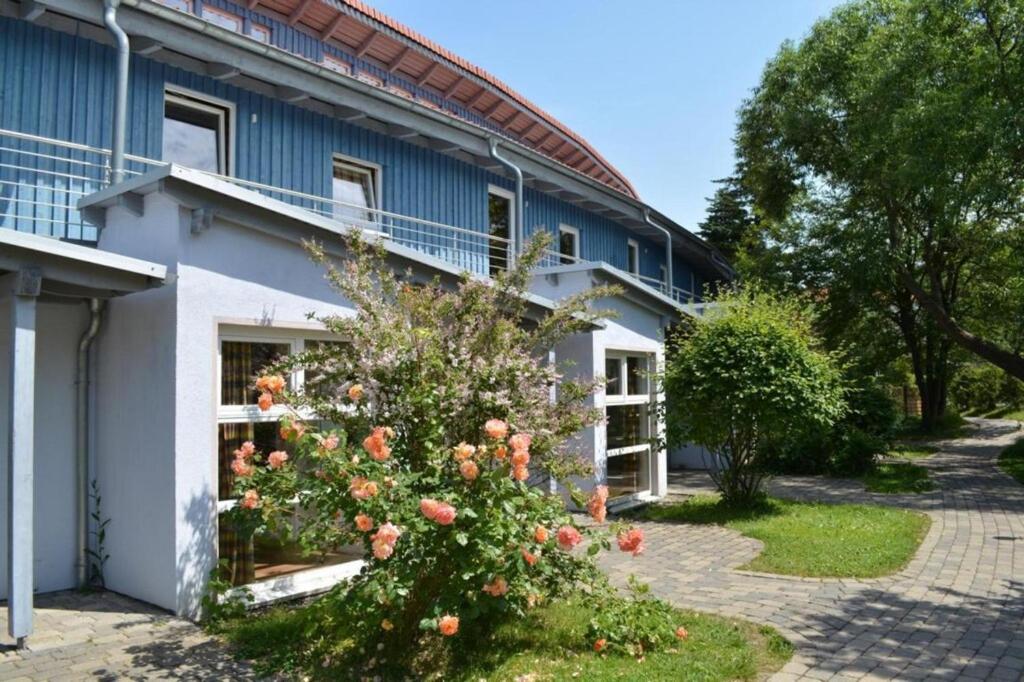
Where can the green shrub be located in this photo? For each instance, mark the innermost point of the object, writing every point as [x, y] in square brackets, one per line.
[981, 387]
[634, 625]
[747, 376]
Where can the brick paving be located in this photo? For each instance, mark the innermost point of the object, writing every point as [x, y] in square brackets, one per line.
[955, 612]
[106, 636]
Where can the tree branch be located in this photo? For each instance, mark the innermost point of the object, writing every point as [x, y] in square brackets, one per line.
[1012, 363]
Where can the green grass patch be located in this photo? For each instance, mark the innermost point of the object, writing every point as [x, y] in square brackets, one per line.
[898, 477]
[1011, 460]
[949, 426]
[812, 539]
[1007, 413]
[912, 451]
[550, 644]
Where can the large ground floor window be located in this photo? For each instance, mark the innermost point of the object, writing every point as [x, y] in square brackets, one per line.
[241, 355]
[629, 408]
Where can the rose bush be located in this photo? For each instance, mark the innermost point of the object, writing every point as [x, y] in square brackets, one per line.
[431, 439]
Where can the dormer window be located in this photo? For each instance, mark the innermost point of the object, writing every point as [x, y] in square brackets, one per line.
[260, 33]
[337, 65]
[219, 17]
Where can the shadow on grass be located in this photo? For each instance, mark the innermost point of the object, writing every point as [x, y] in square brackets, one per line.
[898, 477]
[708, 509]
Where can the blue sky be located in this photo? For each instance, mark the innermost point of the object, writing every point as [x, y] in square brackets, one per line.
[654, 86]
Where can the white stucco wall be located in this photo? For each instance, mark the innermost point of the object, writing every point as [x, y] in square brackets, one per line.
[636, 328]
[227, 274]
[58, 326]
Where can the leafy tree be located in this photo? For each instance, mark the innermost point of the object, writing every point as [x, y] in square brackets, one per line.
[749, 374]
[896, 128]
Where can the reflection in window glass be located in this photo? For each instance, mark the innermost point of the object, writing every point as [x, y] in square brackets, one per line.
[568, 247]
[353, 185]
[613, 376]
[636, 375]
[627, 426]
[629, 474]
[260, 33]
[222, 19]
[195, 134]
[180, 5]
[240, 362]
[499, 215]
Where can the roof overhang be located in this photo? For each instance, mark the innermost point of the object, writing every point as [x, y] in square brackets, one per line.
[70, 270]
[633, 289]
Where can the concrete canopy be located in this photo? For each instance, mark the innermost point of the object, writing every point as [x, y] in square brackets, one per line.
[33, 268]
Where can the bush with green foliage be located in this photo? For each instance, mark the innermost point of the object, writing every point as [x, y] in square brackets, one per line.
[848, 447]
[981, 388]
[747, 376]
[423, 439]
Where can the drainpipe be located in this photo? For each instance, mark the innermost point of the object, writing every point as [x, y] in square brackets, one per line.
[120, 90]
[517, 229]
[82, 439]
[668, 249]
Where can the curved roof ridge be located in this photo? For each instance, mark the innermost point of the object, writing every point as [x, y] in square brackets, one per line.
[486, 76]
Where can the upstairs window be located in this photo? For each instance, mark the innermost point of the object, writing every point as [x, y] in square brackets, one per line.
[196, 132]
[568, 244]
[355, 188]
[260, 33]
[337, 65]
[633, 257]
[499, 221]
[180, 5]
[219, 17]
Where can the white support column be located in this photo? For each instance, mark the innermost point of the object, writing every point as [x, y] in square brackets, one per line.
[24, 287]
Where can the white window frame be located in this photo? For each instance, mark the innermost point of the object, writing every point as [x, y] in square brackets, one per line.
[224, 14]
[225, 111]
[172, 5]
[244, 414]
[633, 257]
[336, 65]
[647, 399]
[266, 31]
[569, 229]
[511, 197]
[364, 167]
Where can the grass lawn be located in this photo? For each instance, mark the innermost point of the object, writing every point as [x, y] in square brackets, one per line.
[898, 477]
[813, 539]
[912, 451]
[551, 644]
[1011, 460]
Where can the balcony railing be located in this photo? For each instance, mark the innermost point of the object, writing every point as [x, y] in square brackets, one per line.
[42, 179]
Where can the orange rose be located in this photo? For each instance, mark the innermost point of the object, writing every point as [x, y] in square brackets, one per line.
[266, 401]
[448, 625]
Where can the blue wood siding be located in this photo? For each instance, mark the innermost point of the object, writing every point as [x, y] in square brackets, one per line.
[60, 86]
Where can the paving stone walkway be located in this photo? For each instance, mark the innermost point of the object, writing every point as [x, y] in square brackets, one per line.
[105, 636]
[955, 612]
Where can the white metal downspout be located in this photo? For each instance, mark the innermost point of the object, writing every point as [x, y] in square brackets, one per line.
[668, 251]
[518, 234]
[82, 441]
[120, 90]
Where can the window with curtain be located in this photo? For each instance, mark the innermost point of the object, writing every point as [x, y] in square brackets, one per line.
[239, 420]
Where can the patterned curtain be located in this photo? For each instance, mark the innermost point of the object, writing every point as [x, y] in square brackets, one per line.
[238, 551]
